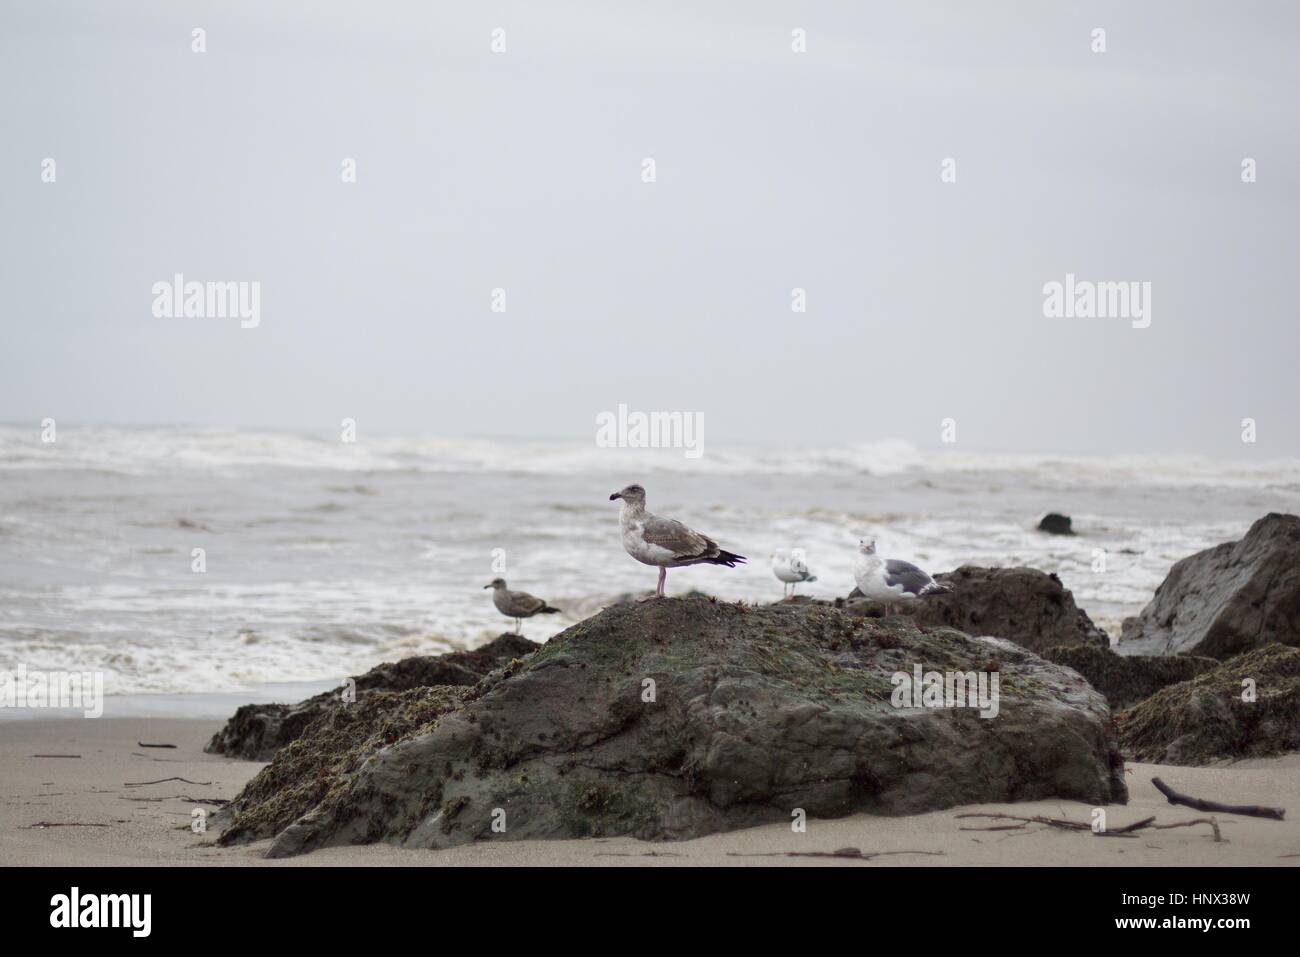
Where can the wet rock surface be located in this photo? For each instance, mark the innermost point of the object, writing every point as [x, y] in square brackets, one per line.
[1228, 599]
[1127, 679]
[1209, 718]
[257, 731]
[1024, 605]
[677, 718]
[1056, 524]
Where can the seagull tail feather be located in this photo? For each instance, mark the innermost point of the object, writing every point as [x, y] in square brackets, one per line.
[730, 559]
[547, 610]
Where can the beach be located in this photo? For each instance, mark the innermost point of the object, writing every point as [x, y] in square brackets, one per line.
[92, 818]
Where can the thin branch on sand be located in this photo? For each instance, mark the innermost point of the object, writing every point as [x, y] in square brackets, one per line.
[844, 853]
[1250, 810]
[1128, 830]
[140, 784]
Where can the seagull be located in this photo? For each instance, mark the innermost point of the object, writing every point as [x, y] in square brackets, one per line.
[517, 604]
[791, 569]
[665, 542]
[888, 579]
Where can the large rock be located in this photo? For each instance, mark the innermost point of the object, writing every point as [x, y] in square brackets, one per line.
[677, 718]
[1127, 679]
[1206, 719]
[1227, 599]
[257, 731]
[1024, 605]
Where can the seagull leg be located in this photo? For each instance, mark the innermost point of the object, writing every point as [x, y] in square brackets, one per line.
[517, 626]
[663, 576]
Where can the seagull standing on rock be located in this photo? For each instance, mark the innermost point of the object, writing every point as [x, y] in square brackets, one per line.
[888, 579]
[517, 604]
[791, 569]
[665, 542]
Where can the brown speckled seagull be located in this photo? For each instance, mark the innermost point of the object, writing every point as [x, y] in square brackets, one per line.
[517, 604]
[665, 542]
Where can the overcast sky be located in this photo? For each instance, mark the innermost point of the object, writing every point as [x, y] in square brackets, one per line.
[522, 170]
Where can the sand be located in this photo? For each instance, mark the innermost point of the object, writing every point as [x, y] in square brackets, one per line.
[101, 821]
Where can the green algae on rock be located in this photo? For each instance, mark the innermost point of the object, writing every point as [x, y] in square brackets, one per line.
[326, 754]
[1126, 680]
[257, 731]
[1207, 719]
[677, 718]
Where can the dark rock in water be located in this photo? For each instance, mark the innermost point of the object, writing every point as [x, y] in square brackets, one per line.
[257, 731]
[1205, 719]
[1024, 605]
[677, 718]
[1127, 679]
[1227, 599]
[1055, 524]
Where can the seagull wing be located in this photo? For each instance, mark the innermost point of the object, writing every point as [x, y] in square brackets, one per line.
[911, 578]
[670, 534]
[521, 603]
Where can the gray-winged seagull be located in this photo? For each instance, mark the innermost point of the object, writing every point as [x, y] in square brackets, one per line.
[665, 542]
[791, 569]
[888, 579]
[517, 604]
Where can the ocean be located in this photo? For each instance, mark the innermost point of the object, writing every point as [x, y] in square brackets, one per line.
[321, 559]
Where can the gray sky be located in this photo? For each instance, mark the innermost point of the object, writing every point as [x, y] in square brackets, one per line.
[776, 170]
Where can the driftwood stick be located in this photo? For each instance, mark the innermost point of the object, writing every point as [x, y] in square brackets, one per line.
[141, 744]
[1218, 838]
[140, 784]
[844, 854]
[1050, 821]
[215, 802]
[41, 825]
[1136, 826]
[1250, 810]
[1128, 830]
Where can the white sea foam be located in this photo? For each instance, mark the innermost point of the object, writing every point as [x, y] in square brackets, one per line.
[315, 572]
[142, 451]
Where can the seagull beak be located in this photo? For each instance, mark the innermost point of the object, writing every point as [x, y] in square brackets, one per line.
[614, 496]
[487, 586]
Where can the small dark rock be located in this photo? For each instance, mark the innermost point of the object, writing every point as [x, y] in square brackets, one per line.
[1055, 524]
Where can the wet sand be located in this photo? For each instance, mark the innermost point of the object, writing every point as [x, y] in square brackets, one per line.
[93, 818]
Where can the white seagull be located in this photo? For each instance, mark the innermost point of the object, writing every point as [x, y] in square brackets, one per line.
[664, 542]
[791, 569]
[517, 604]
[888, 579]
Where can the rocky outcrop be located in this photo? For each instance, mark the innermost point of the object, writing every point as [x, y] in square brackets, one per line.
[1055, 524]
[258, 731]
[1024, 605]
[1127, 679]
[1227, 599]
[326, 754]
[677, 718]
[1246, 707]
